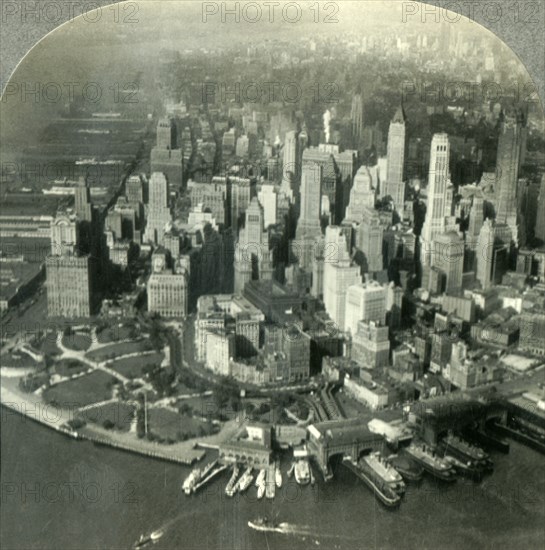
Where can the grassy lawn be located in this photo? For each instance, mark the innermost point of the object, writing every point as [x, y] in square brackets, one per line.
[114, 334]
[117, 350]
[132, 367]
[18, 360]
[69, 367]
[166, 424]
[77, 341]
[116, 415]
[47, 343]
[93, 388]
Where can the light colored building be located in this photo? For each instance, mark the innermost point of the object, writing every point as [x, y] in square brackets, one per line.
[371, 345]
[339, 275]
[364, 302]
[268, 199]
[394, 186]
[220, 351]
[158, 215]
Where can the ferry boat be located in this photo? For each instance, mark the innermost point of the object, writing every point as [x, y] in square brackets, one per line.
[230, 488]
[245, 481]
[302, 471]
[409, 470]
[433, 464]
[265, 525]
[464, 451]
[144, 540]
[367, 473]
[387, 472]
[277, 475]
[195, 476]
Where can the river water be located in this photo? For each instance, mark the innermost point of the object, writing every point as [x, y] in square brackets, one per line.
[62, 493]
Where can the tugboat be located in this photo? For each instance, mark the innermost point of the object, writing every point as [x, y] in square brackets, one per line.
[433, 464]
[302, 472]
[144, 540]
[468, 469]
[388, 473]
[264, 524]
[369, 475]
[409, 470]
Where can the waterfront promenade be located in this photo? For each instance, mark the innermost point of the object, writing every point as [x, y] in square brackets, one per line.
[31, 407]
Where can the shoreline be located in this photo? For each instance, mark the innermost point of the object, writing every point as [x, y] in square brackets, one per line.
[53, 417]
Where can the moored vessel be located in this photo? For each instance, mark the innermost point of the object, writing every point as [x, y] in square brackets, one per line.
[464, 451]
[231, 485]
[245, 481]
[431, 462]
[409, 470]
[277, 475]
[388, 473]
[367, 473]
[302, 471]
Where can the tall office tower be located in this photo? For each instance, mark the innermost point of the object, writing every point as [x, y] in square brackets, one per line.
[253, 259]
[371, 345]
[159, 215]
[167, 291]
[69, 290]
[492, 254]
[436, 210]
[448, 257]
[64, 234]
[362, 195]
[476, 219]
[291, 170]
[369, 240]
[339, 274]
[317, 289]
[268, 199]
[540, 217]
[82, 201]
[510, 150]
[166, 157]
[134, 190]
[308, 225]
[69, 276]
[356, 116]
[364, 302]
[394, 186]
[239, 192]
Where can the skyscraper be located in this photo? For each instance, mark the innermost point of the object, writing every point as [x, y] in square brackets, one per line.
[394, 185]
[68, 275]
[166, 157]
[339, 274]
[448, 257]
[491, 254]
[82, 201]
[369, 240]
[364, 302]
[510, 150]
[356, 115]
[290, 170]
[438, 179]
[159, 215]
[540, 217]
[362, 195]
[253, 259]
[308, 225]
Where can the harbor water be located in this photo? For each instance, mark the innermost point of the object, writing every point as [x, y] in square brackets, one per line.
[62, 493]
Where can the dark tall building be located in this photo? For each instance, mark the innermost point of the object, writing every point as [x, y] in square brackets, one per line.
[166, 157]
[356, 115]
[510, 151]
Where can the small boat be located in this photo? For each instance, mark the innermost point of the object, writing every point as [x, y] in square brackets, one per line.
[265, 525]
[245, 481]
[290, 471]
[312, 478]
[261, 491]
[230, 488]
[260, 480]
[197, 475]
[409, 470]
[302, 471]
[144, 540]
[278, 475]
